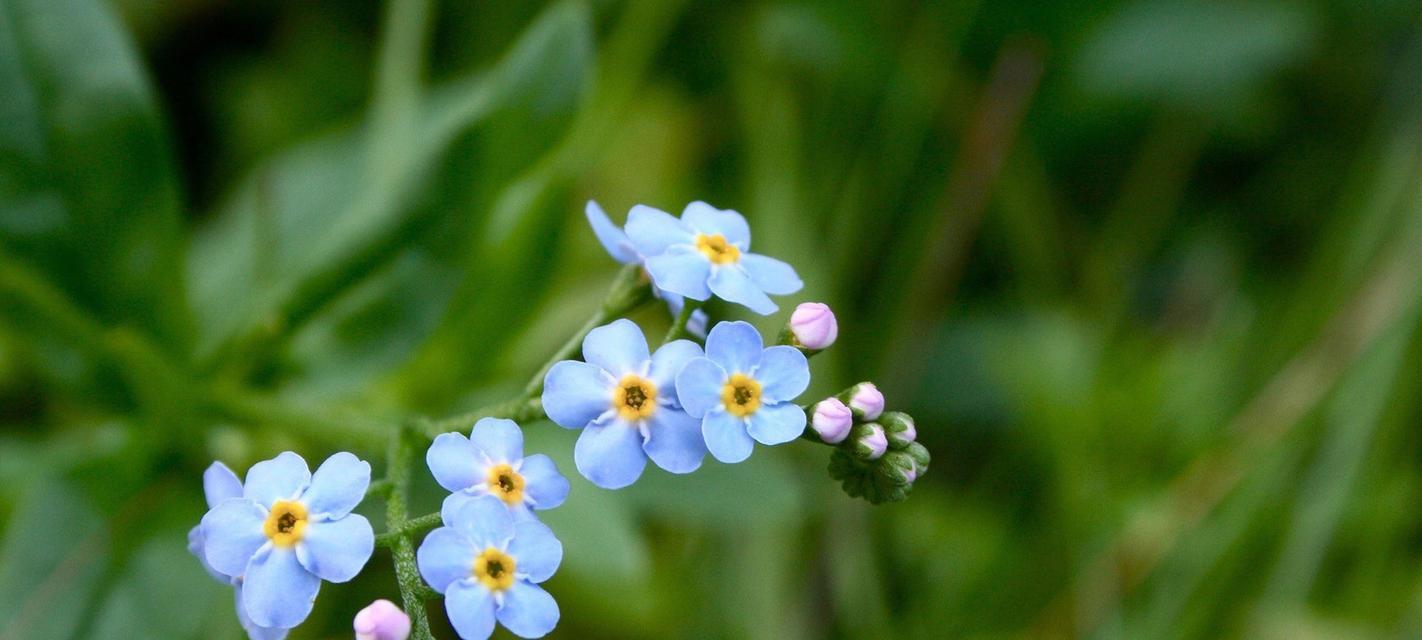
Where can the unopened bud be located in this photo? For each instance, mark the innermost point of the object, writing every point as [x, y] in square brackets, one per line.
[813, 326]
[899, 468]
[832, 420]
[382, 620]
[866, 401]
[899, 427]
[869, 441]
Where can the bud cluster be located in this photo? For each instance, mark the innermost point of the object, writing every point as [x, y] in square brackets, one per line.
[876, 455]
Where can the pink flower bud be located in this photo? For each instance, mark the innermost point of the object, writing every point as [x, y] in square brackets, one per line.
[813, 325]
[382, 620]
[832, 420]
[873, 443]
[867, 402]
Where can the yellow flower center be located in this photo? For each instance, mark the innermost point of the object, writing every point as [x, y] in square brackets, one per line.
[495, 569]
[286, 523]
[634, 397]
[741, 395]
[506, 483]
[717, 249]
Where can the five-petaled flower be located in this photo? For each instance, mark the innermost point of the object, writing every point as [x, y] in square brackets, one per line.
[707, 252]
[491, 462]
[620, 247]
[488, 566]
[625, 400]
[741, 390]
[218, 484]
[288, 530]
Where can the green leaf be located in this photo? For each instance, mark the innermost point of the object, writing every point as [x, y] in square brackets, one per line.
[56, 546]
[88, 191]
[161, 574]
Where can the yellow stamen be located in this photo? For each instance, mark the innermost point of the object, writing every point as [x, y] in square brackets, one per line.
[506, 483]
[286, 523]
[495, 569]
[634, 397]
[741, 395]
[717, 249]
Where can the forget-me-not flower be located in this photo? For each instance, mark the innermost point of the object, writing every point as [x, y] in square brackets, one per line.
[488, 566]
[289, 530]
[218, 484]
[620, 247]
[707, 252]
[625, 401]
[741, 390]
[491, 462]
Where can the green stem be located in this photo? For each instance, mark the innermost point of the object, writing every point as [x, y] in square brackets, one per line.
[678, 328]
[407, 574]
[628, 292]
[408, 528]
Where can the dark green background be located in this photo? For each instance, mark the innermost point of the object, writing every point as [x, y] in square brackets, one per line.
[1147, 274]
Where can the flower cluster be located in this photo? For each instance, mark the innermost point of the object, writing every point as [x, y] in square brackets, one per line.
[876, 455]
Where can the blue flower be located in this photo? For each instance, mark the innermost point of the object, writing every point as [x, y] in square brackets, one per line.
[626, 403]
[707, 252]
[490, 462]
[742, 390]
[287, 531]
[620, 247]
[218, 484]
[488, 566]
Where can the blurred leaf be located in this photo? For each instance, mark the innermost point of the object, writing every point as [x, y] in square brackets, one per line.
[142, 602]
[87, 184]
[56, 546]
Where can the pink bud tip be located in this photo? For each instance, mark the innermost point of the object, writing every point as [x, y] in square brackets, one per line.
[867, 401]
[832, 420]
[382, 620]
[813, 325]
[875, 441]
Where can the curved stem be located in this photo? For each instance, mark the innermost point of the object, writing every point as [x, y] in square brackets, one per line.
[409, 528]
[407, 574]
[678, 328]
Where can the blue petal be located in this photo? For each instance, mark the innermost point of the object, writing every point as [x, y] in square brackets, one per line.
[652, 231]
[484, 520]
[698, 386]
[543, 484]
[683, 271]
[736, 346]
[726, 437]
[770, 275]
[232, 533]
[454, 463]
[528, 611]
[618, 348]
[732, 284]
[338, 485]
[618, 245]
[576, 393]
[704, 218]
[777, 423]
[445, 557]
[254, 630]
[610, 455]
[783, 374]
[674, 441]
[196, 545]
[498, 440]
[535, 550]
[336, 550]
[471, 609]
[696, 326]
[219, 483]
[276, 590]
[667, 362]
[281, 478]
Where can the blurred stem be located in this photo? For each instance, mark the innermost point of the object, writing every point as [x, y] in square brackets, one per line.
[678, 327]
[402, 551]
[396, 100]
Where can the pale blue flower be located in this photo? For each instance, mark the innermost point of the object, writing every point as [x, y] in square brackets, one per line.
[625, 401]
[743, 392]
[288, 531]
[620, 247]
[218, 484]
[707, 252]
[488, 566]
[491, 462]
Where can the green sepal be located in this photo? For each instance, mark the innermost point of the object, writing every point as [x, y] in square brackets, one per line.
[899, 428]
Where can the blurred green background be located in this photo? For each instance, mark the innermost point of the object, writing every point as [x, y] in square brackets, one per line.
[1147, 274]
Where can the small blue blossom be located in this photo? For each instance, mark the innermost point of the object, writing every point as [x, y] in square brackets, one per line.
[491, 462]
[218, 484]
[625, 401]
[288, 530]
[742, 391]
[488, 566]
[707, 252]
[620, 247]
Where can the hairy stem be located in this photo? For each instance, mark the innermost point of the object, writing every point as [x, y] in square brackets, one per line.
[407, 574]
[408, 528]
[628, 292]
